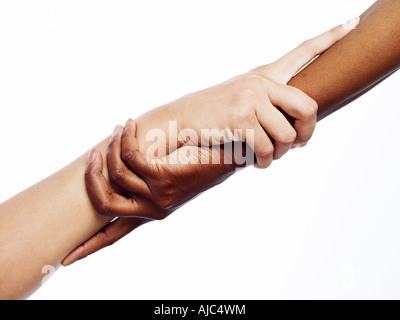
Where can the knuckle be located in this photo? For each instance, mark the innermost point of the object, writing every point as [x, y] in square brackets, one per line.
[85, 250]
[112, 144]
[246, 95]
[102, 237]
[263, 70]
[160, 216]
[254, 81]
[243, 111]
[243, 117]
[265, 163]
[266, 153]
[117, 176]
[277, 157]
[165, 202]
[127, 155]
[310, 46]
[160, 210]
[304, 138]
[110, 241]
[288, 136]
[337, 30]
[309, 108]
[104, 208]
[91, 174]
[165, 199]
[88, 173]
[105, 238]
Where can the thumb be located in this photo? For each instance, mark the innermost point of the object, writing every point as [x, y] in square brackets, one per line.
[107, 236]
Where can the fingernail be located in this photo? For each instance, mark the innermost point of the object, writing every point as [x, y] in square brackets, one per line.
[351, 24]
[92, 155]
[115, 132]
[128, 123]
[67, 263]
[72, 258]
[295, 146]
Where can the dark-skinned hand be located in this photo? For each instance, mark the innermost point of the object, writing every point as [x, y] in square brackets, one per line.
[148, 189]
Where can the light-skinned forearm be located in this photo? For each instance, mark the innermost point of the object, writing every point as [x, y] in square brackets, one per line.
[39, 226]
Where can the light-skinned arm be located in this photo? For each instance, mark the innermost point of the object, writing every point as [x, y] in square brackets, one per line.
[347, 70]
[42, 224]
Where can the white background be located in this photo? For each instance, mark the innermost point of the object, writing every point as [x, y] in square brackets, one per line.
[321, 223]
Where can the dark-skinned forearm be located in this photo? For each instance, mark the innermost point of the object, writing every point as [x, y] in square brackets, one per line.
[357, 63]
[344, 72]
[347, 70]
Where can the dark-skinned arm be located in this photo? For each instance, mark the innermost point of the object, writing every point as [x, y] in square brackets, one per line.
[357, 63]
[353, 66]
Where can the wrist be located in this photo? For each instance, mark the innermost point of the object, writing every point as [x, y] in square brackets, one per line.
[164, 123]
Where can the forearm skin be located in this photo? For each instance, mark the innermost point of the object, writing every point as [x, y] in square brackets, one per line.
[41, 225]
[357, 63]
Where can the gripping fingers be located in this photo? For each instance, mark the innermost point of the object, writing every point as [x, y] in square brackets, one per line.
[132, 157]
[262, 146]
[120, 176]
[277, 127]
[300, 107]
[106, 202]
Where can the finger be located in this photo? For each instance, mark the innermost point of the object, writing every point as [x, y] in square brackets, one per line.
[262, 146]
[295, 60]
[104, 201]
[107, 236]
[277, 127]
[299, 106]
[120, 176]
[132, 157]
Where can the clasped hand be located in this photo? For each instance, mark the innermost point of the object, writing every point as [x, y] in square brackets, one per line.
[281, 117]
